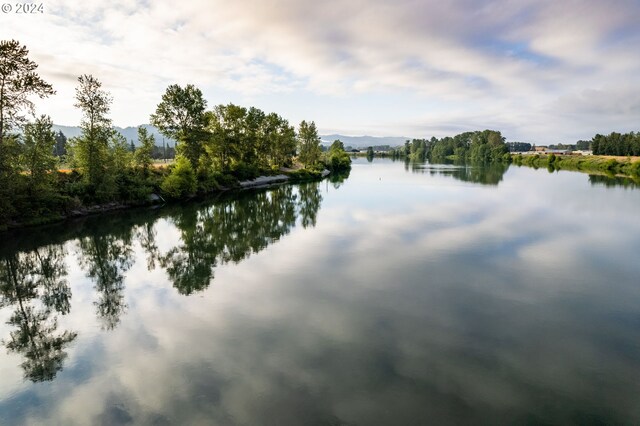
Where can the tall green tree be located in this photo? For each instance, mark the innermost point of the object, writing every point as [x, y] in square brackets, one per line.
[37, 154]
[143, 154]
[121, 156]
[91, 148]
[227, 129]
[181, 116]
[18, 81]
[308, 143]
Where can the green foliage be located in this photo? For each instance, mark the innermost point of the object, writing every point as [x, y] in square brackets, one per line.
[121, 156]
[217, 148]
[303, 175]
[616, 144]
[609, 166]
[90, 151]
[181, 182]
[337, 145]
[248, 136]
[480, 146]
[370, 153]
[18, 81]
[518, 146]
[181, 116]
[226, 125]
[37, 154]
[143, 155]
[244, 171]
[418, 149]
[308, 144]
[336, 159]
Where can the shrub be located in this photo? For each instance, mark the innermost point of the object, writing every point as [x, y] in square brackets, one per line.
[181, 181]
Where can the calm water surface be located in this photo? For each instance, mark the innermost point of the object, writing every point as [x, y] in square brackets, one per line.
[407, 294]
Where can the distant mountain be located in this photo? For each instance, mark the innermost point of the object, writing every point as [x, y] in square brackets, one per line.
[364, 141]
[130, 133]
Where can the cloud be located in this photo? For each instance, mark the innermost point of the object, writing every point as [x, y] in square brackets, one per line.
[518, 60]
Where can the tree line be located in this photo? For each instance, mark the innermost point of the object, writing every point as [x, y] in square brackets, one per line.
[486, 145]
[215, 147]
[624, 144]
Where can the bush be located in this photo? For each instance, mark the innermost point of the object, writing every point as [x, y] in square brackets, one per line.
[181, 181]
[337, 161]
[304, 175]
[243, 171]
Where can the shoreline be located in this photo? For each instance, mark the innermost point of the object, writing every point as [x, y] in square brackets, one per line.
[157, 200]
[628, 167]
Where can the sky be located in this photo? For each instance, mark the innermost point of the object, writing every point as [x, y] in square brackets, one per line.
[539, 71]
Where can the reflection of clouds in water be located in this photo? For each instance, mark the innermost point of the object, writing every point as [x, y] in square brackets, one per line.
[441, 313]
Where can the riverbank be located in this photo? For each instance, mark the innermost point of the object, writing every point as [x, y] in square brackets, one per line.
[612, 166]
[231, 183]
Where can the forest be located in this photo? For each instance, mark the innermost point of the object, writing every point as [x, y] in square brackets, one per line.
[216, 148]
[485, 146]
[625, 144]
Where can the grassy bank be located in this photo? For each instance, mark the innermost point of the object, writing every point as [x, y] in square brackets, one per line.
[69, 197]
[618, 166]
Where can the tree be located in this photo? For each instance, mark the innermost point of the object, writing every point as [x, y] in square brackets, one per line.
[337, 145]
[181, 181]
[308, 143]
[91, 148]
[181, 116]
[226, 128]
[336, 159]
[120, 154]
[370, 152]
[61, 144]
[279, 140]
[143, 153]
[37, 153]
[18, 81]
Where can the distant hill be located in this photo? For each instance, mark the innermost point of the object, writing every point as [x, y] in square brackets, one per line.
[364, 141]
[130, 133]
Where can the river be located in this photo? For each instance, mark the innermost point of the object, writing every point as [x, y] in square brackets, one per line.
[404, 294]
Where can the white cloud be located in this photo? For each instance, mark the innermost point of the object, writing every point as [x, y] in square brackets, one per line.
[495, 63]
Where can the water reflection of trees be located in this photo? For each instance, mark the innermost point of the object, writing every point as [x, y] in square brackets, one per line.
[34, 285]
[611, 181]
[475, 172]
[106, 258]
[211, 234]
[232, 229]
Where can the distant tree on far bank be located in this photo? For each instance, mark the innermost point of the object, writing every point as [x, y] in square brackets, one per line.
[519, 146]
[143, 155]
[60, 149]
[616, 144]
